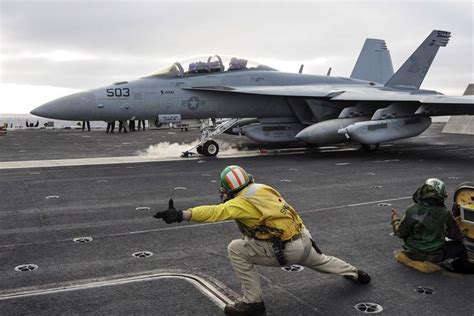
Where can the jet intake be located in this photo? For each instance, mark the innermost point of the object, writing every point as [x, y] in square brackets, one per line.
[326, 132]
[374, 132]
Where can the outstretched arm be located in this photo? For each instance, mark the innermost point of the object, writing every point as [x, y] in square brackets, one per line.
[233, 209]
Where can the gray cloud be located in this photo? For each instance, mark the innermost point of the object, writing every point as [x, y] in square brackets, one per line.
[128, 39]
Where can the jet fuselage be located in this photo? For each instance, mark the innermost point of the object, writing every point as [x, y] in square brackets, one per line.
[148, 97]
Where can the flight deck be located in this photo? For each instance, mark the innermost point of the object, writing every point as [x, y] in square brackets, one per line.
[78, 236]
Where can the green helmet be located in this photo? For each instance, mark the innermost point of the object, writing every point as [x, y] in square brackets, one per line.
[439, 185]
[234, 178]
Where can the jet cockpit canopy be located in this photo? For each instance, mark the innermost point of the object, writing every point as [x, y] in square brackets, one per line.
[201, 65]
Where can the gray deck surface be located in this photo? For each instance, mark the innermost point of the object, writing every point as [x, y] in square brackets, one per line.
[336, 192]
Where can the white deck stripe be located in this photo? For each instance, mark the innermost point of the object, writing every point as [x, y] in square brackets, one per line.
[80, 162]
[30, 164]
[205, 287]
[207, 224]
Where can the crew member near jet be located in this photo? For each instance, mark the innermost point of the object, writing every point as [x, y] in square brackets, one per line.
[425, 226]
[122, 125]
[131, 125]
[88, 125]
[274, 235]
[141, 122]
[110, 127]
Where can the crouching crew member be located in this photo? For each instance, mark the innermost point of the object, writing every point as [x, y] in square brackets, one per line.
[425, 225]
[274, 235]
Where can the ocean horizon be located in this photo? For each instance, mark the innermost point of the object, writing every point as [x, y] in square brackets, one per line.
[18, 121]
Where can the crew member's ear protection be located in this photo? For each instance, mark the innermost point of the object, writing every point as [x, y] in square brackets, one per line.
[224, 195]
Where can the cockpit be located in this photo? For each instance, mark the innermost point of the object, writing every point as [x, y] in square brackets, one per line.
[207, 65]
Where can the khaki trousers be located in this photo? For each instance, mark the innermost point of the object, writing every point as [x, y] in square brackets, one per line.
[245, 253]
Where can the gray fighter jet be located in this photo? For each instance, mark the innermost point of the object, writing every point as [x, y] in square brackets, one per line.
[373, 106]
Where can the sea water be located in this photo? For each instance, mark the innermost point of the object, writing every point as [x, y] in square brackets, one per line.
[18, 121]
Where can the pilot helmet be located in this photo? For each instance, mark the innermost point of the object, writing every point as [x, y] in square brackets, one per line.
[233, 179]
[439, 185]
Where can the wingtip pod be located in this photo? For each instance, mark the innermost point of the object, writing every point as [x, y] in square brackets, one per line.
[413, 71]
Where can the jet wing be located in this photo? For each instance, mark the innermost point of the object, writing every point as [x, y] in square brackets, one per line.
[444, 105]
[309, 91]
[433, 105]
[393, 96]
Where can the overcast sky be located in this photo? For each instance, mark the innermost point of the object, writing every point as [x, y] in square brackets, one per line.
[53, 48]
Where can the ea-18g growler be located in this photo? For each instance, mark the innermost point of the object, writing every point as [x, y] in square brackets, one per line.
[372, 106]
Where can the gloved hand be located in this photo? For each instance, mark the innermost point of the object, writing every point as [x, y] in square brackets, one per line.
[171, 215]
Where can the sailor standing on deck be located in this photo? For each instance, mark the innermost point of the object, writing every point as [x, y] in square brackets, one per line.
[274, 235]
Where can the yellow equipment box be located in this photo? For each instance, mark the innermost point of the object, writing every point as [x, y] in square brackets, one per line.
[463, 211]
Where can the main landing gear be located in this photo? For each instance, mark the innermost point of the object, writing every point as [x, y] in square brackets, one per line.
[207, 146]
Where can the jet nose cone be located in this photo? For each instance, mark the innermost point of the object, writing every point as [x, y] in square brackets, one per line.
[78, 106]
[303, 136]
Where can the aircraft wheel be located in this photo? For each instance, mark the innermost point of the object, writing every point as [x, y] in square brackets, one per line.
[210, 148]
[199, 150]
[369, 148]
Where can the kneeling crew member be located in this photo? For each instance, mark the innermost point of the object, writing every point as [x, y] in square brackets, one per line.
[425, 226]
[274, 235]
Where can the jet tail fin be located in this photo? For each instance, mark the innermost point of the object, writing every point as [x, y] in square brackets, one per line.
[413, 71]
[374, 62]
[469, 89]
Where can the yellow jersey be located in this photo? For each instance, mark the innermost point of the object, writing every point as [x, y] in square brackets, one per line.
[259, 208]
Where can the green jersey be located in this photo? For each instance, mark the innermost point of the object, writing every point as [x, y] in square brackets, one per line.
[425, 226]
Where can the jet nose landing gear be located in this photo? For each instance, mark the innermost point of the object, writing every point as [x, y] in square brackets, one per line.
[207, 146]
[210, 148]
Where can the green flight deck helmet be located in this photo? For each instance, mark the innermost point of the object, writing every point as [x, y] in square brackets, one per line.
[234, 179]
[439, 185]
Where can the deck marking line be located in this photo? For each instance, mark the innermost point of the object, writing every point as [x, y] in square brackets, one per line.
[204, 286]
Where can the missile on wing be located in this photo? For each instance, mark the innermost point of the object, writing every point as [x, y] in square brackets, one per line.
[374, 132]
[326, 132]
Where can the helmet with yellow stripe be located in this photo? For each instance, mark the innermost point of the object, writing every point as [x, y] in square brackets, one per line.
[234, 179]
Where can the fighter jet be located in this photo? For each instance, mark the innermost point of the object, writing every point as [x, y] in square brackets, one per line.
[373, 106]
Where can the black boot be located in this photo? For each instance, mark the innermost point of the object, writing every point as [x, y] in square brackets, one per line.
[362, 277]
[242, 308]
